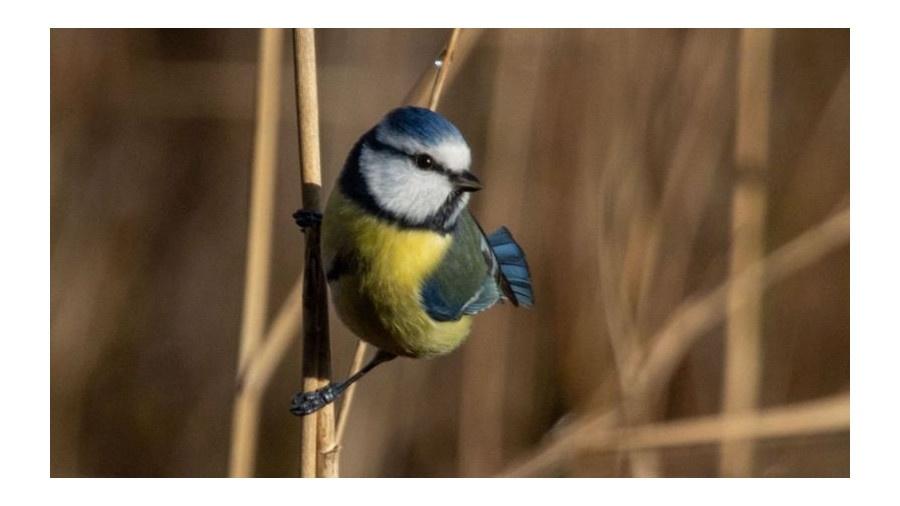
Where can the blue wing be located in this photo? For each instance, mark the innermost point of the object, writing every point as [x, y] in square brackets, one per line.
[514, 268]
[476, 272]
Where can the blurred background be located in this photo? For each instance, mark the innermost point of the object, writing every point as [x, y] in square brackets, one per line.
[609, 153]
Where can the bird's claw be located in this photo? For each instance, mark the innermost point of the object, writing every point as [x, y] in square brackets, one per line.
[306, 403]
[306, 218]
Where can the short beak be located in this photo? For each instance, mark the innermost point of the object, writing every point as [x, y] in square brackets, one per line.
[466, 181]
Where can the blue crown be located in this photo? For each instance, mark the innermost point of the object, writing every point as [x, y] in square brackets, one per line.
[421, 124]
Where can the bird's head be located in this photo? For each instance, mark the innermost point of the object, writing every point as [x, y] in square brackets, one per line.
[414, 167]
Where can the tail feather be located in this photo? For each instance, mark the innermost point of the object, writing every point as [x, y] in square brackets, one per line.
[512, 265]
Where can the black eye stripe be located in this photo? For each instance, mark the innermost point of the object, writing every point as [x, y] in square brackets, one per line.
[377, 145]
[435, 166]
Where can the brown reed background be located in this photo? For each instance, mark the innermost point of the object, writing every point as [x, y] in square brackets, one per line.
[609, 153]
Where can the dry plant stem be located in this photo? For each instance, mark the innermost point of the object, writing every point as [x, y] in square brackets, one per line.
[616, 237]
[317, 318]
[687, 163]
[278, 340]
[420, 94]
[317, 441]
[446, 60]
[813, 417]
[561, 447]
[245, 422]
[742, 331]
[638, 277]
[623, 340]
[343, 416]
[617, 323]
[689, 323]
[690, 172]
[261, 366]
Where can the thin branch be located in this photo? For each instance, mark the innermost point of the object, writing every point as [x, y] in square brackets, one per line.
[307, 101]
[446, 59]
[622, 328]
[688, 181]
[245, 421]
[278, 340]
[562, 445]
[813, 417]
[317, 439]
[743, 342]
[344, 415]
[420, 94]
[823, 415]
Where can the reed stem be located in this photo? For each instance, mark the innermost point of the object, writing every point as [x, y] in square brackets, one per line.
[819, 416]
[317, 440]
[344, 414]
[446, 59]
[245, 421]
[743, 342]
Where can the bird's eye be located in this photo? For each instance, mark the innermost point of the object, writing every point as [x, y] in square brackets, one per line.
[424, 161]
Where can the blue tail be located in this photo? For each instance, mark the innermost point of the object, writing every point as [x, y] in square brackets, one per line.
[513, 266]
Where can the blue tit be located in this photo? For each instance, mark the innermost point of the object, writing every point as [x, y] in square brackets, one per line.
[406, 263]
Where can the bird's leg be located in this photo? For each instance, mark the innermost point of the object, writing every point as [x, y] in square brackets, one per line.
[305, 403]
[306, 218]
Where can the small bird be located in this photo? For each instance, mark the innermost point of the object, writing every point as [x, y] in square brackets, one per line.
[406, 263]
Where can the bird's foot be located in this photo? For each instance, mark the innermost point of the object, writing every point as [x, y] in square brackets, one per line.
[305, 403]
[306, 219]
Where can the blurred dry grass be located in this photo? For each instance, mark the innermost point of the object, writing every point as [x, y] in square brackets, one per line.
[610, 154]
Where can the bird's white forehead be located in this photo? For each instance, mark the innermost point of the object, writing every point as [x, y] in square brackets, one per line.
[450, 152]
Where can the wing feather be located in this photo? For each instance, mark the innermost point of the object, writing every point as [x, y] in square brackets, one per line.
[466, 281]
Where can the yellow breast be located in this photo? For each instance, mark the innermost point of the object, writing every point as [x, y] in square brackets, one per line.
[381, 301]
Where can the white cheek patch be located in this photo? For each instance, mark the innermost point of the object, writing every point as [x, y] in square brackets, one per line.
[400, 188]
